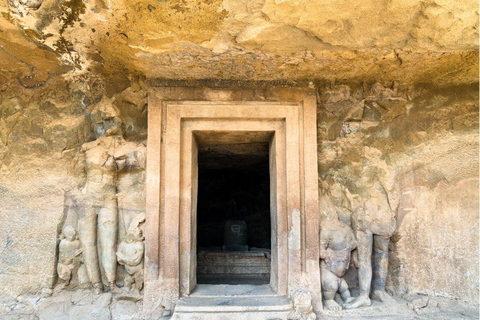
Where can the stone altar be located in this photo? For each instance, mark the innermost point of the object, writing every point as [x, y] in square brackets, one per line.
[235, 236]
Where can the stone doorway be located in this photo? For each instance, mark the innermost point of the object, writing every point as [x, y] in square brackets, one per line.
[181, 121]
[233, 212]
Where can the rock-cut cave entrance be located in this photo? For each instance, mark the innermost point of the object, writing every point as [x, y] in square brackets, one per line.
[185, 125]
[233, 214]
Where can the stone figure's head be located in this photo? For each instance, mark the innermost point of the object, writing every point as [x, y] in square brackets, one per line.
[302, 300]
[69, 233]
[134, 235]
[105, 120]
[367, 178]
[339, 195]
[373, 171]
[327, 209]
[369, 184]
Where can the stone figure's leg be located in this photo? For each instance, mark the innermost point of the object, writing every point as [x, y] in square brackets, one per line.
[87, 233]
[138, 276]
[107, 238]
[338, 299]
[380, 266]
[69, 278]
[83, 276]
[64, 275]
[344, 292]
[129, 282]
[364, 251]
[329, 288]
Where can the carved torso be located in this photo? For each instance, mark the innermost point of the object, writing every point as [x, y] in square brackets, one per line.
[336, 243]
[101, 167]
[131, 255]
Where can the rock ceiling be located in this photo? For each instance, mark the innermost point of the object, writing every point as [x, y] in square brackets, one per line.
[433, 41]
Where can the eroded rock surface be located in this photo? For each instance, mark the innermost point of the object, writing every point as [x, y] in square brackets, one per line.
[423, 146]
[411, 41]
[421, 142]
[106, 306]
[41, 163]
[398, 98]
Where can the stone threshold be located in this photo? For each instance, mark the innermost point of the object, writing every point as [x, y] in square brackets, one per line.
[233, 302]
[227, 290]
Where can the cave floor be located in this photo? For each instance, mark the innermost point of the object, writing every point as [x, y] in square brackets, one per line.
[83, 304]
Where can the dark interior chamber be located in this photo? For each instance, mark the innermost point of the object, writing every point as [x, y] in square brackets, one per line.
[233, 192]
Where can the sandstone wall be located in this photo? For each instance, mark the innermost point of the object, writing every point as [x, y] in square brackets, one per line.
[38, 133]
[41, 134]
[422, 142]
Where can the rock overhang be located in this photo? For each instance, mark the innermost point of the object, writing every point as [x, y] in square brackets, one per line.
[414, 41]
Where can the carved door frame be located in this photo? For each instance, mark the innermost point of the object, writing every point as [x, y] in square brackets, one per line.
[175, 116]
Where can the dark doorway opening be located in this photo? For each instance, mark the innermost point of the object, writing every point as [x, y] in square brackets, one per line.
[233, 214]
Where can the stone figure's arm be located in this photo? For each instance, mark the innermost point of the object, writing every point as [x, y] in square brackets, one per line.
[352, 242]
[79, 167]
[78, 252]
[84, 147]
[130, 156]
[137, 256]
[120, 255]
[324, 241]
[140, 248]
[61, 249]
[89, 145]
[67, 260]
[354, 259]
[134, 260]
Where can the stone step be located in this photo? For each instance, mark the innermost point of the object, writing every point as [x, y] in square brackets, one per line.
[241, 308]
[226, 290]
[257, 315]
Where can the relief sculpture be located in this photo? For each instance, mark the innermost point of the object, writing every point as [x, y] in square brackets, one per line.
[357, 225]
[374, 223]
[130, 254]
[337, 242]
[69, 256]
[302, 305]
[98, 219]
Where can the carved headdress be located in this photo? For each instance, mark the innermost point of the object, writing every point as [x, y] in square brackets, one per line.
[106, 119]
